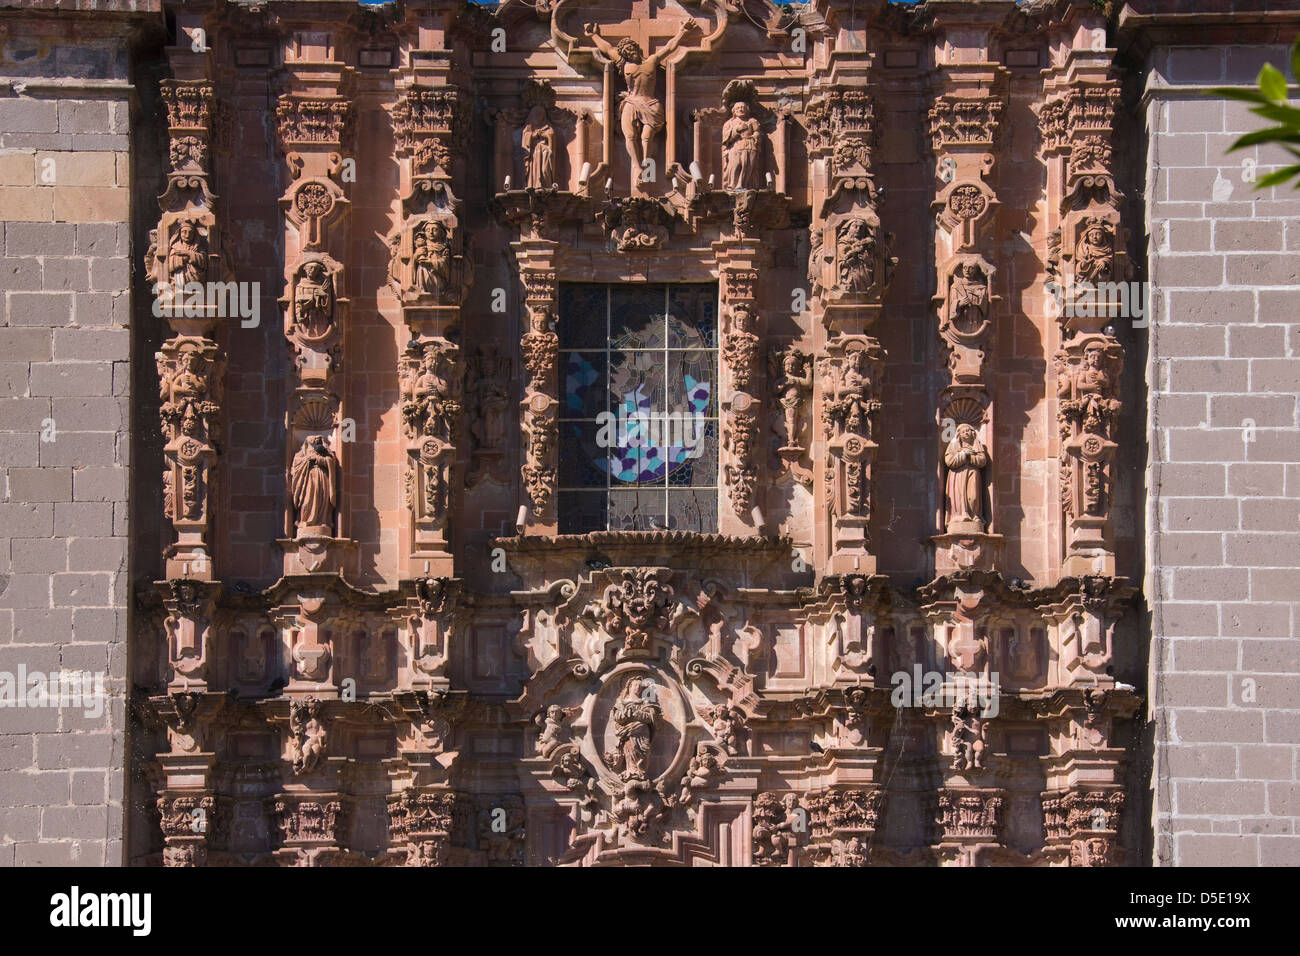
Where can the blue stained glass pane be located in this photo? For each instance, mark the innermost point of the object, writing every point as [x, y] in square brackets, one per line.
[584, 385]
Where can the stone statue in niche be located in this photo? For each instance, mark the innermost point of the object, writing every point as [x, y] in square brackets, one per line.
[742, 149]
[489, 373]
[539, 148]
[968, 738]
[849, 403]
[855, 249]
[1094, 255]
[793, 389]
[641, 115]
[434, 405]
[313, 299]
[313, 479]
[185, 409]
[431, 257]
[635, 714]
[187, 255]
[966, 458]
[1093, 388]
[968, 296]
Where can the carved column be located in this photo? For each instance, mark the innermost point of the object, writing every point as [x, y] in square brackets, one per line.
[848, 271]
[739, 264]
[964, 127]
[314, 126]
[430, 273]
[1088, 292]
[186, 272]
[539, 408]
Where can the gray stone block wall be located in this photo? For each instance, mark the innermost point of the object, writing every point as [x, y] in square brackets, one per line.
[65, 345]
[1224, 471]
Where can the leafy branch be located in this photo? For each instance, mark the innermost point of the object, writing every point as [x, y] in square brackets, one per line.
[1271, 103]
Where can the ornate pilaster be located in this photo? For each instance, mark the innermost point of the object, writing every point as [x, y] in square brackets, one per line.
[739, 264]
[848, 272]
[430, 272]
[965, 122]
[314, 130]
[187, 273]
[539, 408]
[1087, 290]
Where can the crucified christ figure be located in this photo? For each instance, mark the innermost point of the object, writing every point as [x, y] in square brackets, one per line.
[641, 115]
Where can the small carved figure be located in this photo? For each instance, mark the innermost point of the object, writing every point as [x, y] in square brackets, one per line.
[793, 388]
[969, 298]
[539, 148]
[552, 722]
[313, 299]
[313, 480]
[966, 458]
[1095, 252]
[432, 257]
[856, 251]
[727, 724]
[968, 738]
[742, 146]
[187, 256]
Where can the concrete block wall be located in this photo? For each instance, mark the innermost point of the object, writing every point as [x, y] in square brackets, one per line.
[1224, 471]
[65, 268]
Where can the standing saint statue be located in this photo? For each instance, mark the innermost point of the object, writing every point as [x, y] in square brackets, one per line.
[312, 482]
[187, 257]
[966, 458]
[635, 713]
[641, 115]
[313, 299]
[742, 146]
[969, 295]
[539, 148]
[1095, 253]
[432, 258]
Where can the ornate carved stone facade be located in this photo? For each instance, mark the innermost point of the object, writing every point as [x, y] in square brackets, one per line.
[906, 634]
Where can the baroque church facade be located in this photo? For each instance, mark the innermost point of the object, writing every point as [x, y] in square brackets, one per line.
[674, 434]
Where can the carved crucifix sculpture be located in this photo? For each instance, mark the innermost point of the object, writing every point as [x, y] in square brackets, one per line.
[641, 114]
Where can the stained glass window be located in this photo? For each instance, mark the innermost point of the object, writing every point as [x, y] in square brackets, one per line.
[638, 407]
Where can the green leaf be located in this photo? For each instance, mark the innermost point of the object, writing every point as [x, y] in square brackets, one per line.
[1274, 134]
[1234, 93]
[1295, 59]
[1278, 177]
[1286, 115]
[1272, 83]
